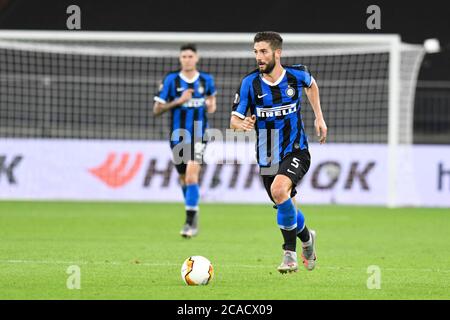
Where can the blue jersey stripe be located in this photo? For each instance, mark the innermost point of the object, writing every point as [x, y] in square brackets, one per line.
[262, 143]
[176, 87]
[175, 126]
[294, 133]
[304, 138]
[278, 139]
[270, 125]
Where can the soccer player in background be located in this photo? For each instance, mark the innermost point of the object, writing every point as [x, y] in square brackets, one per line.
[272, 95]
[189, 94]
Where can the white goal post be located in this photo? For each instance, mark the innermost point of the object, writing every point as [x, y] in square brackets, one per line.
[368, 84]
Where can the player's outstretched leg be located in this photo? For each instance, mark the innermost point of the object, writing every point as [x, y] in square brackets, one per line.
[307, 237]
[192, 198]
[286, 218]
[287, 222]
[190, 227]
[182, 180]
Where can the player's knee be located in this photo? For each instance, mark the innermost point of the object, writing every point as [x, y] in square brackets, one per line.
[191, 179]
[279, 193]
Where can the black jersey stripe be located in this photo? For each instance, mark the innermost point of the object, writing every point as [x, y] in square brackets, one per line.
[292, 81]
[270, 126]
[286, 136]
[250, 105]
[182, 119]
[257, 89]
[203, 85]
[276, 95]
[299, 129]
[177, 85]
[257, 144]
[204, 121]
[172, 127]
[302, 133]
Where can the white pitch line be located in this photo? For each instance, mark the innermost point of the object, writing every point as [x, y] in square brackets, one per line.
[84, 262]
[146, 264]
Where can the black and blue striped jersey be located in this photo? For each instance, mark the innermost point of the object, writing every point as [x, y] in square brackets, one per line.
[190, 116]
[279, 125]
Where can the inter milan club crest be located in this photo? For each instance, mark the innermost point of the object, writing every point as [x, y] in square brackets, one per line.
[290, 92]
[201, 89]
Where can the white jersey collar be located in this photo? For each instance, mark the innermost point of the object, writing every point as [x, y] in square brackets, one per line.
[276, 82]
[182, 76]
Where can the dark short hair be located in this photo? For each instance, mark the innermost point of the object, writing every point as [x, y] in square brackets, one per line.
[189, 46]
[273, 38]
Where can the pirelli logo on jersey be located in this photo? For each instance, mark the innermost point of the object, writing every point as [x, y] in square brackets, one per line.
[276, 111]
[195, 103]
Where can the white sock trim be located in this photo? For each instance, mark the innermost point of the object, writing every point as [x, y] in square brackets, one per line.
[304, 225]
[293, 253]
[309, 242]
[294, 226]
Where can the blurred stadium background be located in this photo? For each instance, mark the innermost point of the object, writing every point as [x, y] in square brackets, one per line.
[431, 116]
[84, 86]
[76, 124]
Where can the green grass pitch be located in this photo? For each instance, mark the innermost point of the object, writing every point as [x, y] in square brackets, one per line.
[134, 251]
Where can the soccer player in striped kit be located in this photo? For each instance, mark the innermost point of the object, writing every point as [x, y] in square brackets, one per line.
[271, 95]
[189, 94]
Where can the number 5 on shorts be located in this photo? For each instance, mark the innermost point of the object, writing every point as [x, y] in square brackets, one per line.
[295, 163]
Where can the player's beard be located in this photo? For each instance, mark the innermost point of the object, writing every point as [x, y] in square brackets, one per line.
[269, 66]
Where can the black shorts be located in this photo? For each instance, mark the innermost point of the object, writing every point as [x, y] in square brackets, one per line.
[181, 158]
[294, 166]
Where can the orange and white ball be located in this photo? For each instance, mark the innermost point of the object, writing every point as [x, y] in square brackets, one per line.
[197, 270]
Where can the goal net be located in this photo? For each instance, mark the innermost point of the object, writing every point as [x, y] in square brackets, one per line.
[100, 85]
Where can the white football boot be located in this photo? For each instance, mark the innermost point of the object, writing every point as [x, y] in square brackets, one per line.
[309, 252]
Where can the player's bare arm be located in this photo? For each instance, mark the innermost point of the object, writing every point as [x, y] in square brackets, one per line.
[160, 108]
[319, 123]
[246, 124]
[211, 105]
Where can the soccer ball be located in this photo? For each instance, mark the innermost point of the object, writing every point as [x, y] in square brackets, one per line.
[197, 270]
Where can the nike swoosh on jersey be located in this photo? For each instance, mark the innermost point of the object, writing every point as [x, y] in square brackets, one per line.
[180, 89]
[259, 97]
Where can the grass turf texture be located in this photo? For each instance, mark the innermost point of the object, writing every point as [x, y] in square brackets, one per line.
[134, 251]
